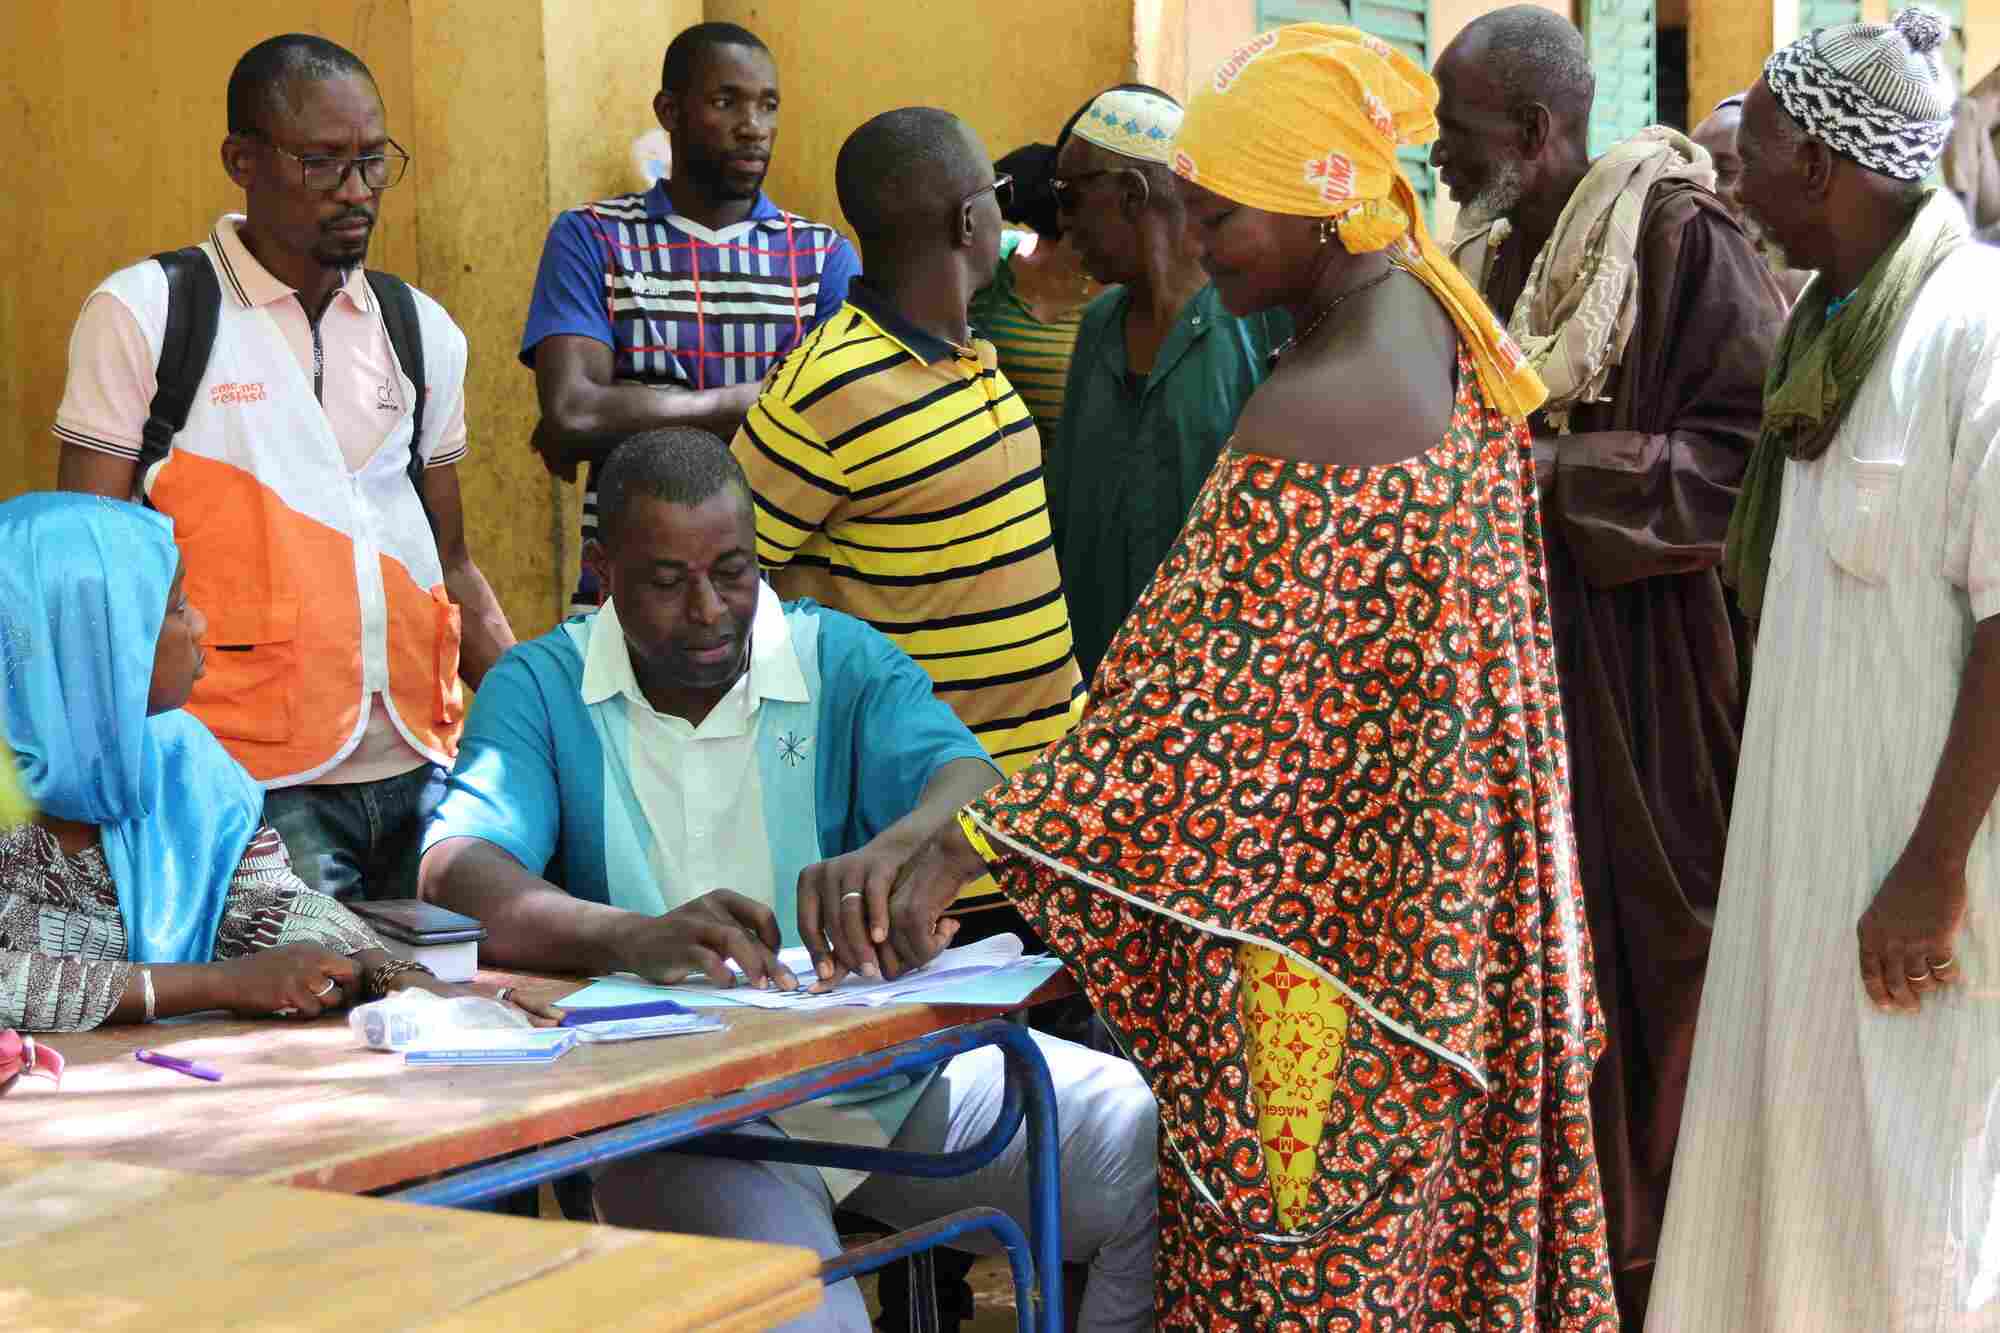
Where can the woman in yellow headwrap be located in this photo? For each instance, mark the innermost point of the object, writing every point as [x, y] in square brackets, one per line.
[1309, 850]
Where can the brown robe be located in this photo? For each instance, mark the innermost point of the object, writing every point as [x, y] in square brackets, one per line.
[1653, 659]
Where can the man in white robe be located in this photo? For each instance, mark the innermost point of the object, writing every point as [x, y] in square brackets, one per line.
[1842, 1131]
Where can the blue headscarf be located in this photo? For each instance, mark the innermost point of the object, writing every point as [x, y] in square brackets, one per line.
[83, 593]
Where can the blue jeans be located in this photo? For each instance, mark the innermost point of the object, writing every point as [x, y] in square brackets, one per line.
[361, 839]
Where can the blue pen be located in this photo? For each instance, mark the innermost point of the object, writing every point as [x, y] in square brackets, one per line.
[574, 1018]
[179, 1066]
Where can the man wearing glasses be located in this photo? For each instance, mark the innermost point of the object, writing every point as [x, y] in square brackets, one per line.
[898, 476]
[1160, 369]
[344, 607]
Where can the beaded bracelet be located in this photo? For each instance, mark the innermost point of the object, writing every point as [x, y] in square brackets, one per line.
[379, 977]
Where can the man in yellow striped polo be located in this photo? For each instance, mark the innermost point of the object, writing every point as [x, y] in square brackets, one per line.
[897, 474]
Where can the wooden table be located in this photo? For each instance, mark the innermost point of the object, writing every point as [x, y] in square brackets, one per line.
[103, 1245]
[303, 1104]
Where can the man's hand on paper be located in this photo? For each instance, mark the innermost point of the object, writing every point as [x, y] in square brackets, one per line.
[832, 898]
[702, 936]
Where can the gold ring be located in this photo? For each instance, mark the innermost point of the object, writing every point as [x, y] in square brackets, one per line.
[1925, 976]
[1944, 965]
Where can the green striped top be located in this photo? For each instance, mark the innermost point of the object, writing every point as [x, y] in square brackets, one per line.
[1033, 356]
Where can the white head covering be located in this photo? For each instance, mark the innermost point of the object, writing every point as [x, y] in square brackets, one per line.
[1131, 123]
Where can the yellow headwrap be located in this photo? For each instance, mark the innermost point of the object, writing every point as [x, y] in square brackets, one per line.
[1306, 121]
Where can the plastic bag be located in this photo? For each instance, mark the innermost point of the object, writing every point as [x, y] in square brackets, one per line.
[652, 157]
[412, 1017]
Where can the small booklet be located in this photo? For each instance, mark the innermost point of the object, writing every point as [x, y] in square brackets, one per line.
[637, 1029]
[539, 1046]
[445, 941]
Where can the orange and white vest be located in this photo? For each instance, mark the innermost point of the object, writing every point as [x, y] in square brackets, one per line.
[321, 586]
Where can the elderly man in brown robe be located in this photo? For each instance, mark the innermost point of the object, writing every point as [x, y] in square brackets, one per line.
[1652, 317]
[1717, 136]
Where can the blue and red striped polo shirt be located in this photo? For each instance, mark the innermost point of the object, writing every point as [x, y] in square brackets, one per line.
[680, 304]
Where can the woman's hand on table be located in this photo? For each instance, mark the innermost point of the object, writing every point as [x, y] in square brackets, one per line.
[907, 922]
[291, 981]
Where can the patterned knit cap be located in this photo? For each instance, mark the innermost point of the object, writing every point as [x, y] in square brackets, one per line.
[1875, 94]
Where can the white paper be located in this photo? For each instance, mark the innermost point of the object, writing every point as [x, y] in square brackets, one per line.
[987, 956]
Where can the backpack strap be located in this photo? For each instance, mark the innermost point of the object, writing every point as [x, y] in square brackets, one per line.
[194, 304]
[399, 317]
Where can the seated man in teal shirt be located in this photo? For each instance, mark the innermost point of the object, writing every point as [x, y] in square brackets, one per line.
[698, 773]
[1159, 373]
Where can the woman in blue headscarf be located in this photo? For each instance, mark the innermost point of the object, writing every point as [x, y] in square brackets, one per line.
[147, 884]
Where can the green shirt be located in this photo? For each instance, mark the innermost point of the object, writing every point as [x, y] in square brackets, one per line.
[1034, 356]
[1130, 457]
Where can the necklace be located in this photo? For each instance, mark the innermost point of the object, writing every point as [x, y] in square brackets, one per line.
[1299, 338]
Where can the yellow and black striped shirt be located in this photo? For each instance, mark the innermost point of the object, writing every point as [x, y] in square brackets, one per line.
[899, 479]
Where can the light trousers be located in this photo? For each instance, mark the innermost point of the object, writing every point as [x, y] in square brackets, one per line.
[1109, 1131]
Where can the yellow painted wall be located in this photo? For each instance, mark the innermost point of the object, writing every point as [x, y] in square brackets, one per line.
[1982, 39]
[1728, 41]
[1014, 71]
[484, 163]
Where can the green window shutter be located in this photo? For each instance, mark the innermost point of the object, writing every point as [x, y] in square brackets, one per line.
[1624, 51]
[1404, 24]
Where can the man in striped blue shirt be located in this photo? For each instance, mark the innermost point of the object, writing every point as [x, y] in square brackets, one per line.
[667, 307]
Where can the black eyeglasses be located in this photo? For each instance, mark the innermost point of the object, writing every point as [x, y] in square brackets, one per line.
[378, 171]
[1065, 188]
[1003, 192]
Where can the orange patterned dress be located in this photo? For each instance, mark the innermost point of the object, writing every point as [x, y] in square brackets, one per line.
[1329, 732]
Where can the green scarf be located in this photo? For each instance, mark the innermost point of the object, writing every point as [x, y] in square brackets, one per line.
[1815, 374]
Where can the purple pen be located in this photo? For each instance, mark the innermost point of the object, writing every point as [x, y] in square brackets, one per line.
[179, 1066]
